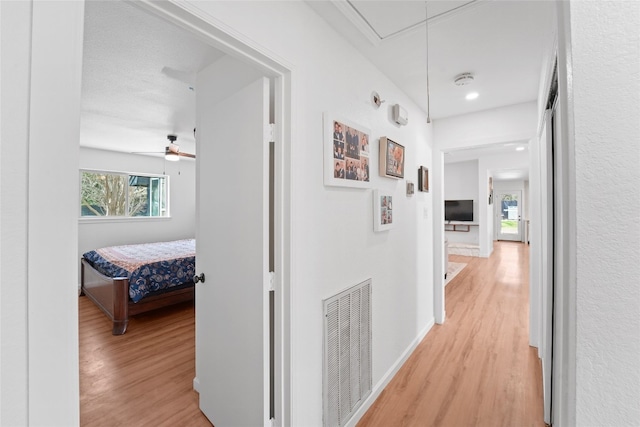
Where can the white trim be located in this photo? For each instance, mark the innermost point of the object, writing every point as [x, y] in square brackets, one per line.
[367, 30]
[53, 202]
[388, 376]
[216, 33]
[196, 384]
[350, 12]
[120, 219]
[439, 252]
[564, 341]
[222, 37]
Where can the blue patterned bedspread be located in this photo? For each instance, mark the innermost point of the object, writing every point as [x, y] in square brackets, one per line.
[149, 266]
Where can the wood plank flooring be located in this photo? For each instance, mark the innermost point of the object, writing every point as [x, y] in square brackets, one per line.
[141, 378]
[477, 369]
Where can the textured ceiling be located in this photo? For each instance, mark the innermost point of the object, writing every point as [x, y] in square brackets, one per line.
[138, 74]
[500, 42]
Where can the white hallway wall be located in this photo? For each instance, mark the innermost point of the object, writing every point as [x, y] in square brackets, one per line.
[41, 60]
[461, 183]
[182, 185]
[506, 124]
[606, 112]
[333, 239]
[333, 242]
[515, 123]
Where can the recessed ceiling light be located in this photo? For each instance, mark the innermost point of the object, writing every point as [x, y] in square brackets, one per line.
[520, 149]
[472, 95]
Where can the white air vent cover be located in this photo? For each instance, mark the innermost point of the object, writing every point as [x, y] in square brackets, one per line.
[347, 353]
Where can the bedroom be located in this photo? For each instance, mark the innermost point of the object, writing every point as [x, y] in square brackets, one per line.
[139, 85]
[130, 104]
[128, 109]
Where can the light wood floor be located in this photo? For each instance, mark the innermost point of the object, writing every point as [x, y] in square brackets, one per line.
[141, 378]
[477, 369]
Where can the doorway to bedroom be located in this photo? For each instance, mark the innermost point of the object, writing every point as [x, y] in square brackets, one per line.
[121, 133]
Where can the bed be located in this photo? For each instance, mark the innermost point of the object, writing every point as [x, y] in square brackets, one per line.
[127, 280]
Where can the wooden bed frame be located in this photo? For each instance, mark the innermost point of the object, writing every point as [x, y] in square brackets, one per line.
[112, 296]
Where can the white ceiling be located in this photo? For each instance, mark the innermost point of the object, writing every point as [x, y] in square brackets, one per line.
[511, 153]
[138, 70]
[137, 76]
[500, 42]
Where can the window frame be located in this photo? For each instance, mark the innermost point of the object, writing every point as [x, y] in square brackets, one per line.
[126, 217]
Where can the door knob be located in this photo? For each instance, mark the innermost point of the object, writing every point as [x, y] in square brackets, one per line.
[199, 278]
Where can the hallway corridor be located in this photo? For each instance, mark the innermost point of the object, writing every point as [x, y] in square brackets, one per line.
[477, 369]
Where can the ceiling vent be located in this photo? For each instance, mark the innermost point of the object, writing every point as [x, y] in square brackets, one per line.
[463, 79]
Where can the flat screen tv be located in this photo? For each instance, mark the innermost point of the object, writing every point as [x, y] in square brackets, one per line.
[458, 210]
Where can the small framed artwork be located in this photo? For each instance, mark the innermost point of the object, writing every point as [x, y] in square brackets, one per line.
[346, 153]
[383, 218]
[423, 179]
[391, 158]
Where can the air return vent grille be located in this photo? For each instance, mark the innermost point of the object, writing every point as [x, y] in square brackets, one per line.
[347, 353]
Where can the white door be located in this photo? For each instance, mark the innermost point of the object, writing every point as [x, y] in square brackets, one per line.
[508, 206]
[232, 328]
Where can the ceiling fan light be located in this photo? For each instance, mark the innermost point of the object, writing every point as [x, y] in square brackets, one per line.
[171, 155]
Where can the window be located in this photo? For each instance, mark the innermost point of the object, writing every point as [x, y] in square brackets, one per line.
[113, 194]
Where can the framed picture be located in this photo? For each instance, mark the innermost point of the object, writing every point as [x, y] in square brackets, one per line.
[391, 158]
[423, 179]
[383, 218]
[346, 153]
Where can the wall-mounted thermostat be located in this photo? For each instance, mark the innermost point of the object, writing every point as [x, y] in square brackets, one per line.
[400, 115]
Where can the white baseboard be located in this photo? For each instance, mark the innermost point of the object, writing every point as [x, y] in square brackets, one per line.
[196, 384]
[386, 378]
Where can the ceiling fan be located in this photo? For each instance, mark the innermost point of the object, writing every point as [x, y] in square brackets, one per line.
[172, 151]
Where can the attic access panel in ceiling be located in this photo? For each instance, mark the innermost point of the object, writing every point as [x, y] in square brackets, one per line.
[382, 20]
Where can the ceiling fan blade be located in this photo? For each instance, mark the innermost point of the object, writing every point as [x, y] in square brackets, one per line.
[191, 156]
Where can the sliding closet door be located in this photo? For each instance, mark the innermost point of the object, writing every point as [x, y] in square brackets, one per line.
[547, 245]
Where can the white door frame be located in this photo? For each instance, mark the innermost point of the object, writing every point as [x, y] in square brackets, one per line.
[563, 405]
[564, 316]
[189, 17]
